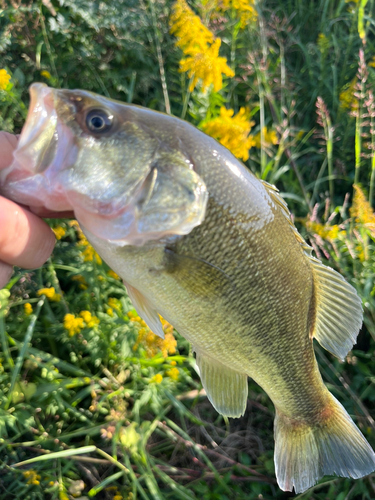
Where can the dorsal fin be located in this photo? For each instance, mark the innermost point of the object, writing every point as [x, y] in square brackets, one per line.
[281, 203]
[338, 308]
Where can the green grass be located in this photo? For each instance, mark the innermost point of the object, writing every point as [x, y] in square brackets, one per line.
[88, 407]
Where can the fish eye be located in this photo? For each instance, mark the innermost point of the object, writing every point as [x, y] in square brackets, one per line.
[99, 121]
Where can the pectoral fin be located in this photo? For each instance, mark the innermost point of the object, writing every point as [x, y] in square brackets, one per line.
[145, 310]
[339, 310]
[225, 388]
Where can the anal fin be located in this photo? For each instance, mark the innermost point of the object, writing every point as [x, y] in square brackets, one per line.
[226, 388]
[338, 310]
[145, 310]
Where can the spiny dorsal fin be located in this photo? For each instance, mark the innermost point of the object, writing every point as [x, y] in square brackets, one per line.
[225, 388]
[338, 310]
[145, 310]
[281, 203]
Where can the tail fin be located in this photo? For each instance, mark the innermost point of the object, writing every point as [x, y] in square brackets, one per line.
[304, 453]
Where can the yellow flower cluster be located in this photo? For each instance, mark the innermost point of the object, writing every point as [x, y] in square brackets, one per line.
[173, 373]
[244, 8]
[4, 79]
[73, 324]
[152, 342]
[114, 275]
[88, 253]
[323, 43]
[59, 232]
[270, 138]
[32, 477]
[347, 97]
[233, 132]
[156, 379]
[45, 74]
[89, 319]
[116, 304]
[325, 231]
[361, 210]
[50, 293]
[188, 28]
[201, 48]
[28, 308]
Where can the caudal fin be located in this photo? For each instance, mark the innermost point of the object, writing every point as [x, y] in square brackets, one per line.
[304, 454]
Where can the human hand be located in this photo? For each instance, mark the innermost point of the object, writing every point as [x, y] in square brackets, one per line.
[25, 239]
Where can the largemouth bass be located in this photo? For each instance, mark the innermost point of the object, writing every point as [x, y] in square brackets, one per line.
[201, 241]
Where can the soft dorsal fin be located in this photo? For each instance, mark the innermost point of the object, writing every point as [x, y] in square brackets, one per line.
[338, 307]
[338, 310]
[225, 388]
[145, 310]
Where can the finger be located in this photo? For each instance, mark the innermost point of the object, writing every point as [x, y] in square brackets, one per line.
[5, 273]
[8, 143]
[25, 240]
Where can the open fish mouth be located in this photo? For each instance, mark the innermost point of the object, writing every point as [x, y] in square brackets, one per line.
[43, 147]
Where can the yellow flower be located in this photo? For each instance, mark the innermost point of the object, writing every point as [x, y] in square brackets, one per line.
[207, 66]
[152, 342]
[245, 9]
[270, 137]
[46, 74]
[198, 43]
[188, 28]
[361, 210]
[31, 476]
[232, 131]
[156, 379]
[88, 253]
[325, 231]
[4, 79]
[112, 274]
[110, 311]
[72, 324]
[50, 293]
[347, 97]
[28, 308]
[89, 319]
[173, 373]
[115, 304]
[372, 62]
[59, 232]
[323, 43]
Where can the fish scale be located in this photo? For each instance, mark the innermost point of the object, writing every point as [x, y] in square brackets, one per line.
[200, 240]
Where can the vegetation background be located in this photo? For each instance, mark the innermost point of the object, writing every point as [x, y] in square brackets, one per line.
[93, 403]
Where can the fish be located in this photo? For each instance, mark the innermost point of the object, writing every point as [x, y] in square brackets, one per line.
[201, 241]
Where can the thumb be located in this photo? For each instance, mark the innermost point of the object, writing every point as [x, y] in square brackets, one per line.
[25, 239]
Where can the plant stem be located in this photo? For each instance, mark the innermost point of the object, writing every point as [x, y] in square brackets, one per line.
[160, 61]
